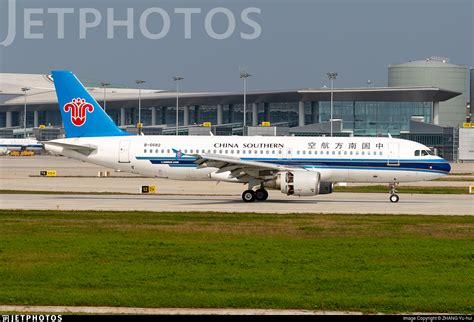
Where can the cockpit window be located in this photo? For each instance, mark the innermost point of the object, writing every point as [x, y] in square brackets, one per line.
[423, 153]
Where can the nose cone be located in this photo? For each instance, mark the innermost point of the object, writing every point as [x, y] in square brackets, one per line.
[448, 167]
[444, 166]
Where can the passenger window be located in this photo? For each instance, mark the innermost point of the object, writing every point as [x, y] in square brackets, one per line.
[333, 152]
[304, 151]
[255, 152]
[339, 152]
[273, 151]
[350, 153]
[144, 151]
[345, 152]
[168, 151]
[261, 151]
[327, 152]
[268, 152]
[220, 151]
[380, 152]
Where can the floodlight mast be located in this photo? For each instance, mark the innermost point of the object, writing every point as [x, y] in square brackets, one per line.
[139, 125]
[332, 76]
[244, 75]
[177, 79]
[24, 90]
[104, 85]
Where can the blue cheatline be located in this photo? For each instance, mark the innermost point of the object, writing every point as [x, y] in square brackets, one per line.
[81, 114]
[377, 164]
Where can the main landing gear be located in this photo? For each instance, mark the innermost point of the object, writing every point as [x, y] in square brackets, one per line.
[393, 192]
[259, 195]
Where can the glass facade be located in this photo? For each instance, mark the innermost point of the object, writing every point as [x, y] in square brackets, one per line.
[374, 118]
[283, 113]
[363, 118]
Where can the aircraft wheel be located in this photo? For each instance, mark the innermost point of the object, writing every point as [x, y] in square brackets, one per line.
[261, 194]
[248, 196]
[394, 198]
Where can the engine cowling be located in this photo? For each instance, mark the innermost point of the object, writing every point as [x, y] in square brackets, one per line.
[300, 183]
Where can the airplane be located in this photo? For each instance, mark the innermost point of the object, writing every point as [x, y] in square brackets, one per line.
[297, 166]
[28, 144]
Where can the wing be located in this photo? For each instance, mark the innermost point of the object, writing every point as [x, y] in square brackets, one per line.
[242, 170]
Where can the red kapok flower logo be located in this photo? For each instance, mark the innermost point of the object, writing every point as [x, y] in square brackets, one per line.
[79, 108]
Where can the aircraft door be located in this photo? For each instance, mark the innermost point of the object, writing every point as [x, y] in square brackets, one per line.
[393, 154]
[123, 153]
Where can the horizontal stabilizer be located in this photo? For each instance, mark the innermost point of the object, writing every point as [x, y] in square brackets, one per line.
[85, 149]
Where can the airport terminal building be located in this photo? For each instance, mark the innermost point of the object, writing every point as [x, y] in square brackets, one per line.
[411, 112]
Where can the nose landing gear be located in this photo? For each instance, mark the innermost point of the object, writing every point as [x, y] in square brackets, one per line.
[393, 192]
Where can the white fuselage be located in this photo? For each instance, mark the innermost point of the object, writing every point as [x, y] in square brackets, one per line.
[337, 159]
[7, 145]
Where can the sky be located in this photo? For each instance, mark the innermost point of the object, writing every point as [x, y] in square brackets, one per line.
[293, 43]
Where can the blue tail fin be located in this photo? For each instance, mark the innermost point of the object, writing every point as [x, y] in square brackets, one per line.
[82, 115]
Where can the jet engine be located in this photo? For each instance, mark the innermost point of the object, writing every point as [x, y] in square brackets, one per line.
[300, 183]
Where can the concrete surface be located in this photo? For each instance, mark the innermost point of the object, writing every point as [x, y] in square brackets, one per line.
[368, 203]
[21, 173]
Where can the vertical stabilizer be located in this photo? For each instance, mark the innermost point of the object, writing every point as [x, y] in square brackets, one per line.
[81, 114]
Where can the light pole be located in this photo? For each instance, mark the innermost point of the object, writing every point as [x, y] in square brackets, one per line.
[104, 85]
[244, 75]
[177, 79]
[24, 90]
[139, 125]
[332, 77]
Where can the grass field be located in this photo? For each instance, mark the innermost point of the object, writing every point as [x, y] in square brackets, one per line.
[369, 263]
